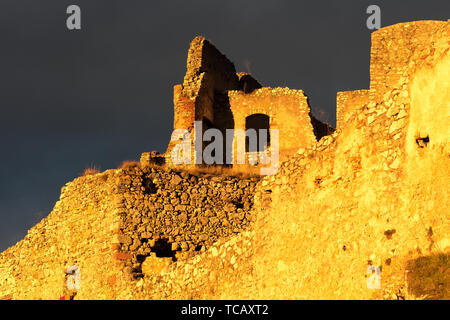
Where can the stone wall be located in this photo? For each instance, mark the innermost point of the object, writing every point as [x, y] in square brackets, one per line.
[375, 196]
[175, 214]
[392, 52]
[203, 57]
[213, 93]
[347, 102]
[287, 109]
[368, 194]
[116, 224]
[208, 71]
[373, 193]
[79, 231]
[184, 110]
[370, 202]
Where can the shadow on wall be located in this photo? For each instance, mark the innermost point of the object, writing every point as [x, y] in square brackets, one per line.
[223, 118]
[429, 277]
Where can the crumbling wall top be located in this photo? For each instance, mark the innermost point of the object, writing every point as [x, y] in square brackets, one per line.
[203, 57]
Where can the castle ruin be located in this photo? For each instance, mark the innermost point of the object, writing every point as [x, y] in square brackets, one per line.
[214, 94]
[374, 193]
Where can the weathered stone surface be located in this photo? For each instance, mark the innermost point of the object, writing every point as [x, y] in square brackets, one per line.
[154, 265]
[331, 209]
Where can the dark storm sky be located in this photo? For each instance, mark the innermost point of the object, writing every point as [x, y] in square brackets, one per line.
[72, 99]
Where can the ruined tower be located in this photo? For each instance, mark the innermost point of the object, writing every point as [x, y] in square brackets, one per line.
[215, 95]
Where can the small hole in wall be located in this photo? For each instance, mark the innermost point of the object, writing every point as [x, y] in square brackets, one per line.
[163, 249]
[149, 186]
[137, 274]
[239, 205]
[140, 258]
[422, 142]
[318, 181]
[389, 233]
